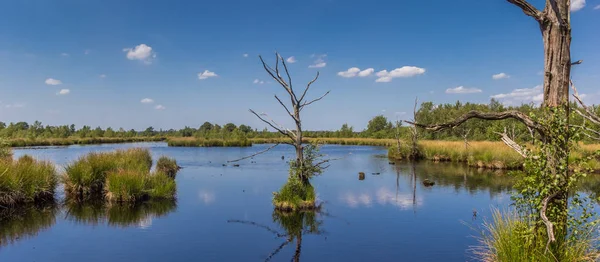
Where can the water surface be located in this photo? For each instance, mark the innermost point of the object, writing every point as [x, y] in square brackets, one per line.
[224, 213]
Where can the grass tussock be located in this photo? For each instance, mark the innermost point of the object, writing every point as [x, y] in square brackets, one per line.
[26, 180]
[86, 177]
[295, 195]
[119, 176]
[202, 142]
[167, 166]
[508, 238]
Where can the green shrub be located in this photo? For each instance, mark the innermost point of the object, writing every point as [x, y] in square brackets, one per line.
[26, 180]
[167, 166]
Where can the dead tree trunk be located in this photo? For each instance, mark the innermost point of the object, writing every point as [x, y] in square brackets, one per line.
[555, 26]
[297, 104]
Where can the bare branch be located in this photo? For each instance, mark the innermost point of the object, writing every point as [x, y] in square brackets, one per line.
[287, 72]
[587, 129]
[578, 62]
[255, 154]
[512, 144]
[528, 9]
[486, 116]
[315, 100]
[307, 87]
[273, 126]
[549, 226]
[588, 112]
[272, 73]
[286, 109]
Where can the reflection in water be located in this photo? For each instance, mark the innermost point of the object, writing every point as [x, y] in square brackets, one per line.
[119, 215]
[294, 224]
[27, 221]
[207, 197]
[382, 196]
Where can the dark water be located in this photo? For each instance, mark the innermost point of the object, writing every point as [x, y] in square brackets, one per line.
[225, 213]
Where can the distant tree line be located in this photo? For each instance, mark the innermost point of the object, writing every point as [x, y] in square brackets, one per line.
[378, 127]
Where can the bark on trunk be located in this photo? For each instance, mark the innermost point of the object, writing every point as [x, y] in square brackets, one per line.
[556, 32]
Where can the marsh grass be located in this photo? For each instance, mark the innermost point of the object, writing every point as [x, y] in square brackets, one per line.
[26, 221]
[295, 195]
[135, 186]
[26, 180]
[509, 238]
[23, 142]
[167, 166]
[86, 177]
[202, 142]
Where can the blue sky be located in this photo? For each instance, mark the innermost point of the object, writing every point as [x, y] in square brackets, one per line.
[93, 62]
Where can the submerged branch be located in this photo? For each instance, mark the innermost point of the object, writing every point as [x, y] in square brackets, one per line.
[255, 154]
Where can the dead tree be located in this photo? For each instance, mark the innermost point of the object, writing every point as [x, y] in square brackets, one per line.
[555, 25]
[296, 105]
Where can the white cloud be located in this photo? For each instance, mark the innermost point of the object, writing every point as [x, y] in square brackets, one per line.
[366, 72]
[577, 5]
[86, 52]
[355, 71]
[63, 92]
[102, 76]
[245, 55]
[500, 76]
[405, 71]
[597, 7]
[160, 107]
[53, 82]
[523, 95]
[462, 90]
[400, 113]
[64, 54]
[206, 74]
[141, 52]
[15, 105]
[291, 60]
[147, 101]
[256, 81]
[319, 62]
[351, 72]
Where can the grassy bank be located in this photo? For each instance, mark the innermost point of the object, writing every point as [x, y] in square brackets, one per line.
[486, 154]
[201, 142]
[26, 180]
[21, 142]
[118, 176]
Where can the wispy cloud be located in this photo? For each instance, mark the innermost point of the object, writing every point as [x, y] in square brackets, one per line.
[141, 52]
[245, 55]
[500, 76]
[291, 60]
[319, 61]
[14, 105]
[206, 74]
[257, 81]
[402, 72]
[63, 92]
[64, 54]
[86, 52]
[147, 101]
[522, 95]
[462, 90]
[52, 82]
[577, 5]
[102, 76]
[597, 7]
[160, 107]
[355, 71]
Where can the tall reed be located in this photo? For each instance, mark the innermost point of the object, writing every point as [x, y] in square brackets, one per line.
[26, 180]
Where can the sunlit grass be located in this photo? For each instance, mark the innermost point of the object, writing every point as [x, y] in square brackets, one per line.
[26, 180]
[509, 238]
[25, 142]
[295, 195]
[167, 166]
[202, 142]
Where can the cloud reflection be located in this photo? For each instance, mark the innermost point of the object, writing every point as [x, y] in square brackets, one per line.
[382, 196]
[207, 197]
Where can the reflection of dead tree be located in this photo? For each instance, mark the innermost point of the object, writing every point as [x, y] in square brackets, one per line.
[414, 132]
[414, 184]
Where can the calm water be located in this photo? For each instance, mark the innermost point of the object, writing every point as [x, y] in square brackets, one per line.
[225, 213]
